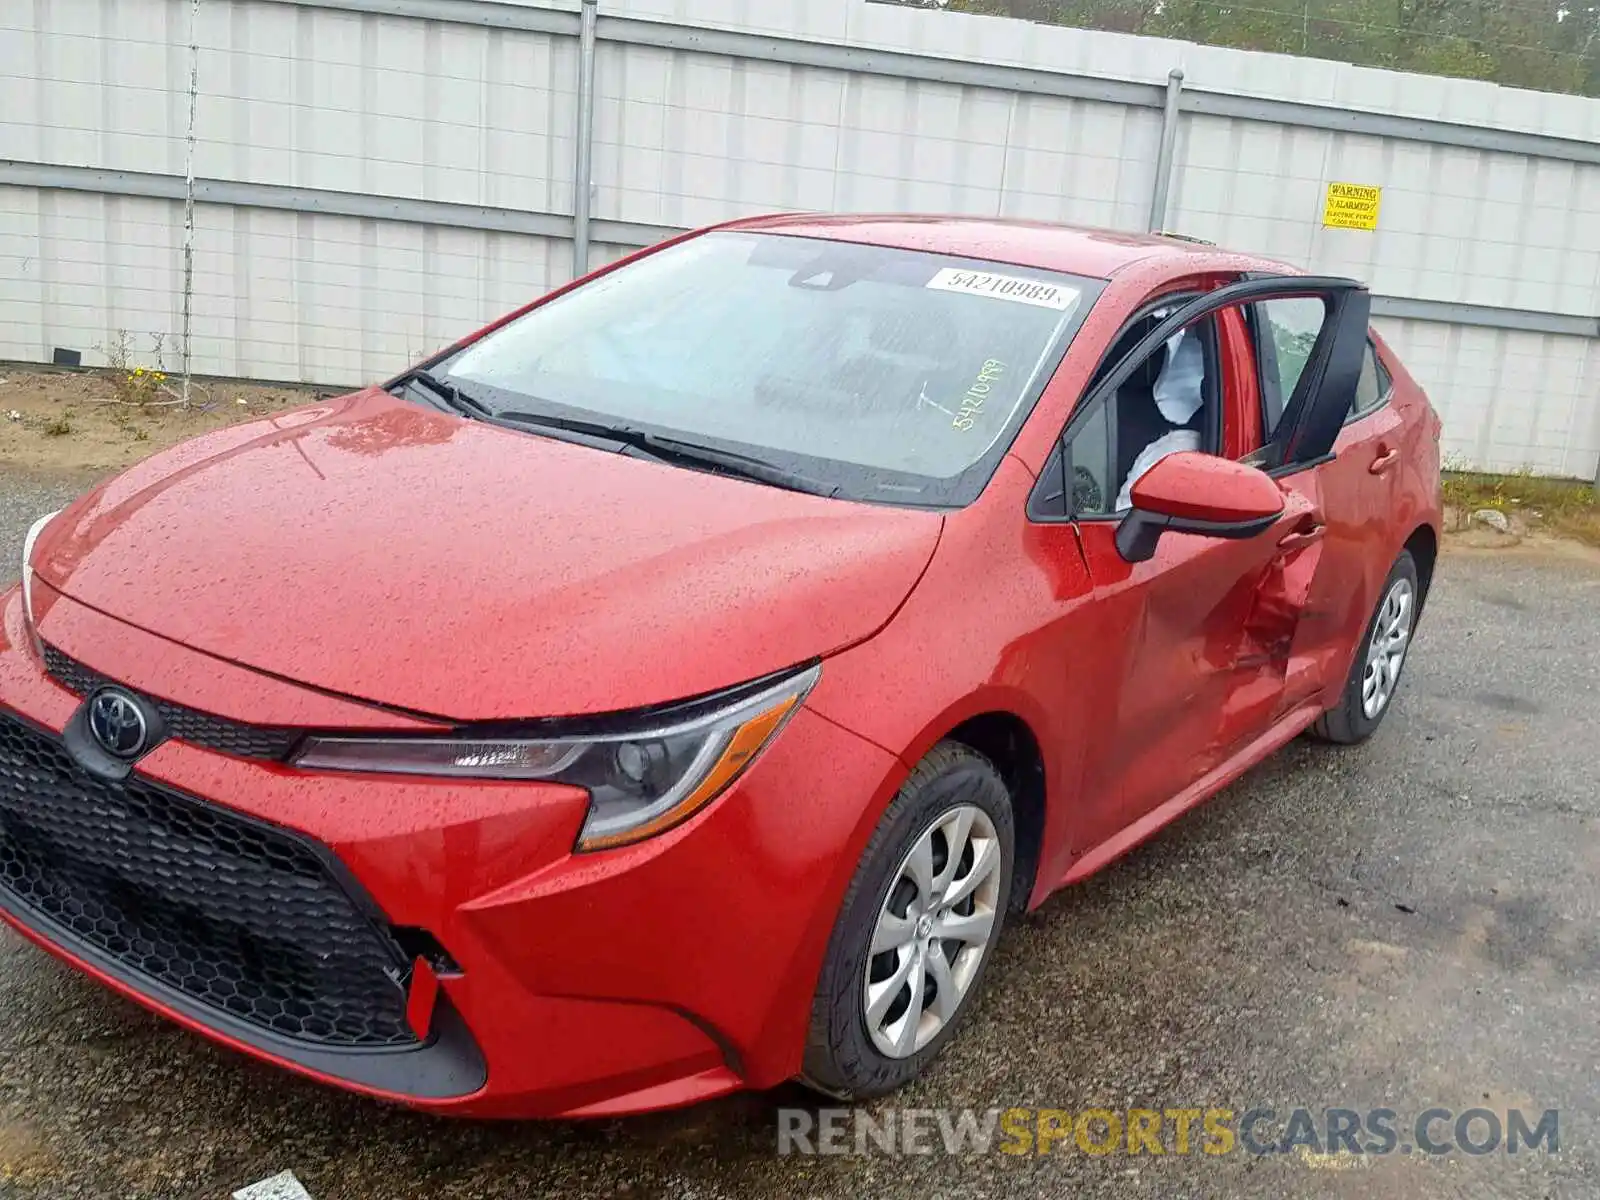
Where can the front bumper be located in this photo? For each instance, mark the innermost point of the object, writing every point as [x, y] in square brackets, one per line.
[639, 978]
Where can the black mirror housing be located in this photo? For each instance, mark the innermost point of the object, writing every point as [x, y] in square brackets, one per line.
[1140, 532]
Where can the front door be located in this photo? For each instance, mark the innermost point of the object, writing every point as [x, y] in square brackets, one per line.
[1203, 629]
[1192, 678]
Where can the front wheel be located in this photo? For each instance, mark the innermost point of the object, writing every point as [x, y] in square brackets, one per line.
[915, 934]
[1375, 668]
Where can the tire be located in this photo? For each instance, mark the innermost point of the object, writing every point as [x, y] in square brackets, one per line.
[844, 1057]
[1351, 721]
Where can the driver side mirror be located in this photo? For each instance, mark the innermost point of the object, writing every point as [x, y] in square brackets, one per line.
[1190, 492]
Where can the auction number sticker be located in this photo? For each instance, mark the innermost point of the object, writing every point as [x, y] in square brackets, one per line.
[1005, 287]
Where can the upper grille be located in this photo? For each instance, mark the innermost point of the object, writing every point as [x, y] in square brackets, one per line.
[185, 724]
[236, 914]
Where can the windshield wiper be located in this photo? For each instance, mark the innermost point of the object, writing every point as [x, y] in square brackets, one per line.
[745, 466]
[623, 438]
[674, 450]
[618, 435]
[453, 397]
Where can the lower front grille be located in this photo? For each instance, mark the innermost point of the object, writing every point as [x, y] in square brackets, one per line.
[236, 914]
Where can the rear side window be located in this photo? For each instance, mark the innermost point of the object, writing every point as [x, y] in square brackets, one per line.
[1374, 387]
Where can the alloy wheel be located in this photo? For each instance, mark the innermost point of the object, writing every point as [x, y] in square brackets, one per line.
[932, 930]
[1386, 653]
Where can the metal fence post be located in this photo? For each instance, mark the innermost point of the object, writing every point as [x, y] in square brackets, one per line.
[1169, 142]
[583, 175]
[188, 201]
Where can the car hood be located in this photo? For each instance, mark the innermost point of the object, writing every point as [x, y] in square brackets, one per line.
[378, 549]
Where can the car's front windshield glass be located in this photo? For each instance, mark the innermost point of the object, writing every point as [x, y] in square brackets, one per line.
[887, 375]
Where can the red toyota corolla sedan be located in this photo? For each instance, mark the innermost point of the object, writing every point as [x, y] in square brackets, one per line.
[673, 688]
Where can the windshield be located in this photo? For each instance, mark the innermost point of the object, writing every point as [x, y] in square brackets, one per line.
[887, 375]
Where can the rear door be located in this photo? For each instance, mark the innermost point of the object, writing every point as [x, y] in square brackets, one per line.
[1355, 490]
[1202, 631]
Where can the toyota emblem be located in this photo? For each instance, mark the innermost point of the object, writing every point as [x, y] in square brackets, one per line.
[119, 724]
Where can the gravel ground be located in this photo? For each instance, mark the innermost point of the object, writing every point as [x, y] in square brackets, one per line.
[24, 497]
[1407, 924]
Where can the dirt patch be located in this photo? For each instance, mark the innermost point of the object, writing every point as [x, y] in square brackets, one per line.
[61, 421]
[1529, 504]
[1535, 546]
[25, 1160]
[1525, 535]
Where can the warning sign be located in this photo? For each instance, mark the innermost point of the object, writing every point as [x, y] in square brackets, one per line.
[1351, 206]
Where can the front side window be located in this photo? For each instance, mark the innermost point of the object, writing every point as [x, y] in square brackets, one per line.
[1285, 332]
[1171, 403]
[889, 375]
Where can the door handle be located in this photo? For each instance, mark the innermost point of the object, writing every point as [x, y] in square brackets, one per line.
[1385, 460]
[1301, 538]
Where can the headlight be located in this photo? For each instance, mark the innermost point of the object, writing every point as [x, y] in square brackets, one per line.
[641, 781]
[28, 540]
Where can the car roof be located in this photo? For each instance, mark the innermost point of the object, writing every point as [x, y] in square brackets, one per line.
[1075, 250]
